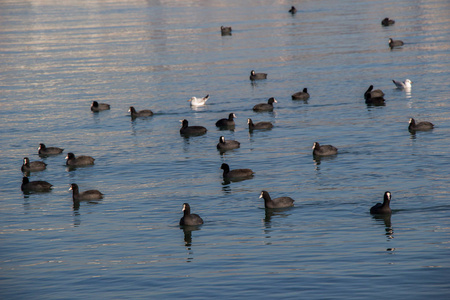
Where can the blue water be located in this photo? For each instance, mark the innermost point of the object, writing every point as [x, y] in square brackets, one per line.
[56, 58]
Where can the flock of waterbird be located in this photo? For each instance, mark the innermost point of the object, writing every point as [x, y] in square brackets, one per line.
[371, 96]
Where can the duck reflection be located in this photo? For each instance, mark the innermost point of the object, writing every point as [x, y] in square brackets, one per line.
[318, 159]
[133, 127]
[74, 168]
[376, 103]
[76, 217]
[76, 204]
[187, 230]
[96, 118]
[186, 144]
[386, 219]
[254, 83]
[273, 213]
[226, 188]
[227, 181]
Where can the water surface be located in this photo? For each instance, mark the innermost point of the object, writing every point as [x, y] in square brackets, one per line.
[56, 58]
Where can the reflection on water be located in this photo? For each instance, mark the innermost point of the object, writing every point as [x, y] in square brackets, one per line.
[226, 188]
[76, 204]
[386, 219]
[228, 181]
[408, 92]
[318, 160]
[187, 230]
[74, 168]
[200, 108]
[76, 216]
[275, 212]
[268, 222]
[376, 104]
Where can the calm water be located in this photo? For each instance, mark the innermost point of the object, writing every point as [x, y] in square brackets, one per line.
[57, 58]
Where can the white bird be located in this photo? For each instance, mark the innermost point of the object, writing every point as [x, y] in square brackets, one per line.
[198, 101]
[403, 85]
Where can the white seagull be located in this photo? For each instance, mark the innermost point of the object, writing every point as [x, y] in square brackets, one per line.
[198, 101]
[403, 85]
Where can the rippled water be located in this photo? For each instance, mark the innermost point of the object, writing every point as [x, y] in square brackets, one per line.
[56, 58]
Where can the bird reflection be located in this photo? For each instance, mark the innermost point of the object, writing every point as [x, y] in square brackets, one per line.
[74, 168]
[26, 204]
[316, 163]
[375, 103]
[76, 204]
[412, 134]
[96, 118]
[227, 182]
[317, 159]
[187, 230]
[268, 217]
[386, 218]
[408, 93]
[226, 188]
[187, 237]
[133, 127]
[271, 212]
[253, 83]
[199, 108]
[76, 216]
[268, 225]
[186, 144]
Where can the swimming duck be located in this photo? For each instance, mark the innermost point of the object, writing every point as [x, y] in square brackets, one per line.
[32, 166]
[265, 106]
[43, 150]
[395, 43]
[421, 126]
[225, 30]
[227, 122]
[189, 219]
[139, 114]
[387, 22]
[82, 160]
[84, 196]
[259, 125]
[224, 145]
[257, 76]
[279, 202]
[303, 95]
[35, 186]
[96, 107]
[236, 174]
[382, 208]
[323, 150]
[371, 93]
[191, 130]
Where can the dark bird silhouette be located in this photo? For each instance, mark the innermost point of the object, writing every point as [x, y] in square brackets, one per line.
[280, 202]
[189, 219]
[382, 208]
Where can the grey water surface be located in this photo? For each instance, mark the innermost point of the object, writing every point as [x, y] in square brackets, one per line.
[56, 57]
